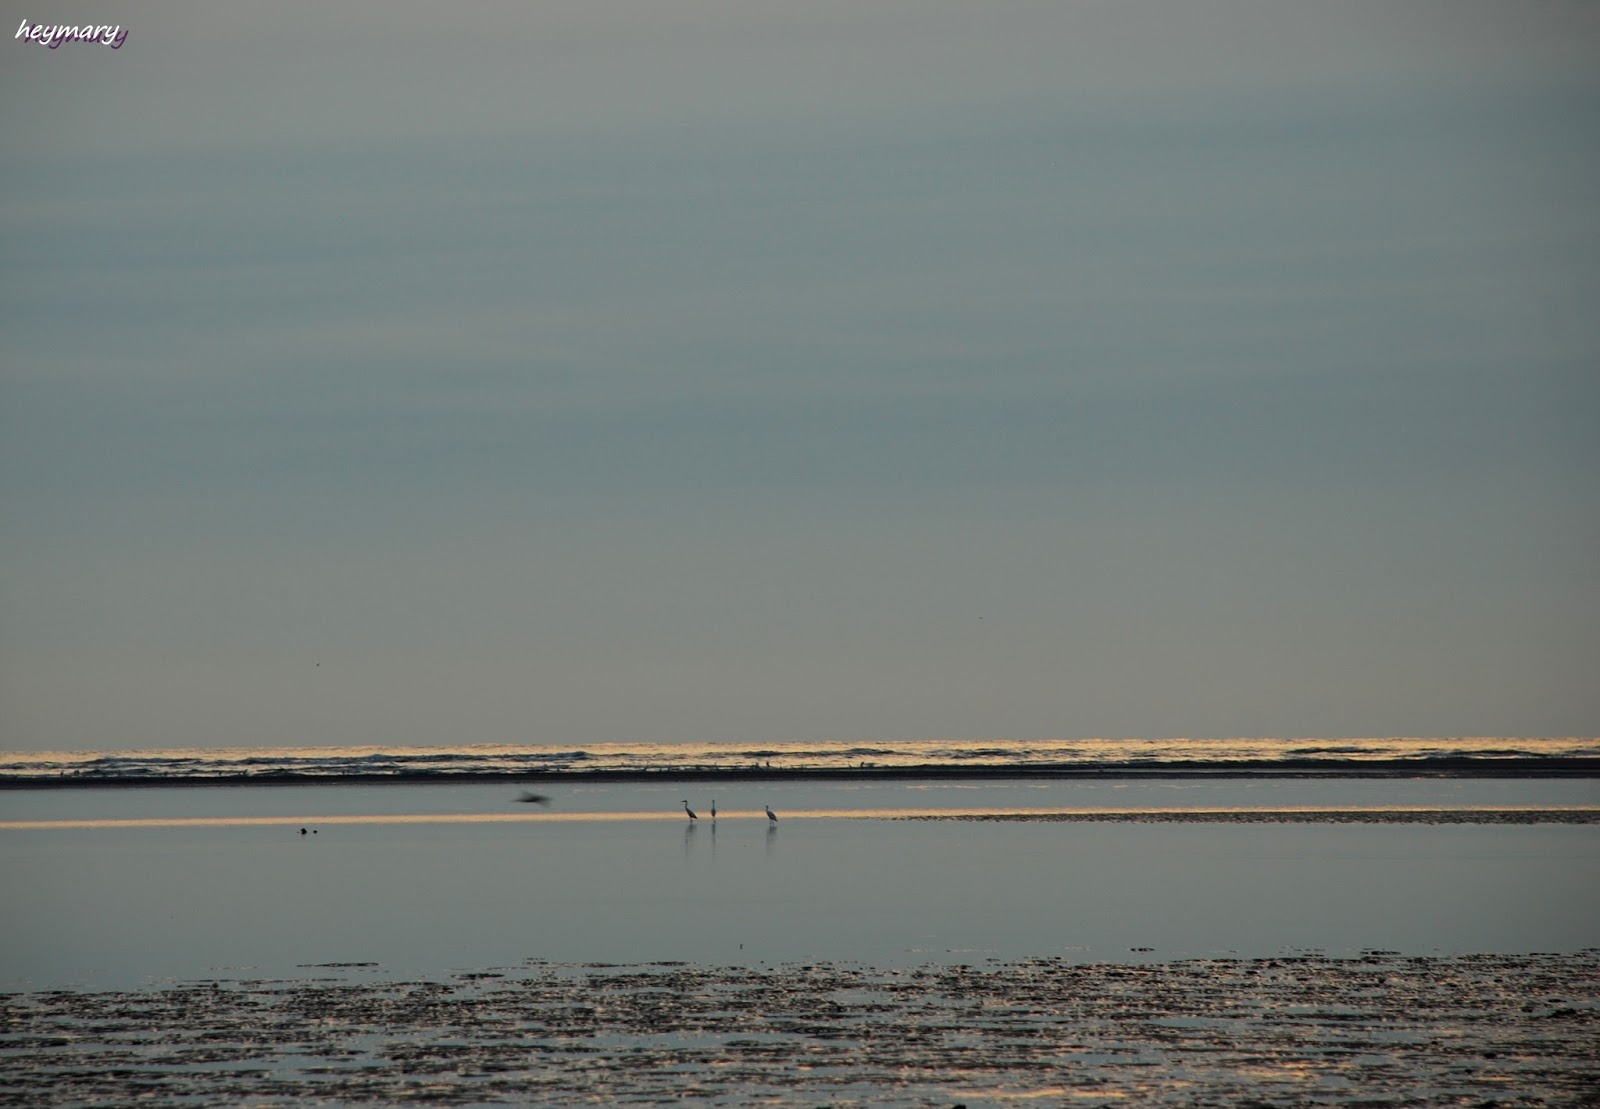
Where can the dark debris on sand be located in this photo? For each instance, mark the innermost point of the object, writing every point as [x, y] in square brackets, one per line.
[1297, 1030]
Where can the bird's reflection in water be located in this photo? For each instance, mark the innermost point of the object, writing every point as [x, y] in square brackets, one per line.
[772, 837]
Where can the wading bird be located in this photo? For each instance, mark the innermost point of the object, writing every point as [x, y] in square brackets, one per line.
[713, 808]
[690, 811]
[772, 816]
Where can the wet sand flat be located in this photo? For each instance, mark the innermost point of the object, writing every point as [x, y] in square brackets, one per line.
[1381, 1029]
[220, 883]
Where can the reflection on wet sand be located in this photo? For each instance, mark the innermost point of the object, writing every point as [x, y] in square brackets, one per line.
[1530, 814]
[1296, 1029]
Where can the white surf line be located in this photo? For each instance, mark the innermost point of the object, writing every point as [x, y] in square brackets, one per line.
[327, 820]
[351, 818]
[1080, 814]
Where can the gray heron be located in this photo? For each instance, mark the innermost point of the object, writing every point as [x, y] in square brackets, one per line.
[772, 816]
[690, 811]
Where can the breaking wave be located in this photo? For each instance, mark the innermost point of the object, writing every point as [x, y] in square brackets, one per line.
[368, 763]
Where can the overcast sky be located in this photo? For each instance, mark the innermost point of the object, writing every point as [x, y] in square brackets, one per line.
[414, 373]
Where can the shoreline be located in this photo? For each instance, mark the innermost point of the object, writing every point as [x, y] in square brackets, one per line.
[1445, 767]
[1285, 816]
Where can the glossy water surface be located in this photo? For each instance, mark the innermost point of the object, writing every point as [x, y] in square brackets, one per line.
[429, 880]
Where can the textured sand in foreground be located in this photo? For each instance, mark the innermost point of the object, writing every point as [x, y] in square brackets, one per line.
[1304, 1030]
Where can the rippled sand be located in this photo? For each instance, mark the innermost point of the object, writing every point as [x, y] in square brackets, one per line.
[1304, 1030]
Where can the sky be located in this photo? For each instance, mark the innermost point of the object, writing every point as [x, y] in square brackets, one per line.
[402, 373]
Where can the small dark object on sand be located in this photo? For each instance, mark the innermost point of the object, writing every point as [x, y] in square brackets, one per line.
[534, 798]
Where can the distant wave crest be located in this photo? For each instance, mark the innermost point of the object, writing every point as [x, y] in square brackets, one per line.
[299, 763]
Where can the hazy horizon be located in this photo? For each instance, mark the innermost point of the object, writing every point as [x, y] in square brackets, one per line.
[621, 372]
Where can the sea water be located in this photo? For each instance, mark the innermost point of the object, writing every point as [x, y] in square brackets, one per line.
[118, 888]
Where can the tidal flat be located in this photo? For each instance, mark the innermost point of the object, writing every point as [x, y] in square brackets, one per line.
[1378, 1029]
[1417, 942]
